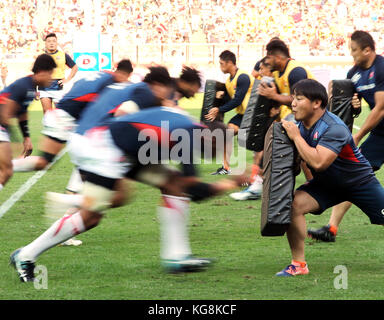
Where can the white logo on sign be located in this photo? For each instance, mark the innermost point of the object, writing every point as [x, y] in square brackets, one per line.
[86, 61]
[104, 61]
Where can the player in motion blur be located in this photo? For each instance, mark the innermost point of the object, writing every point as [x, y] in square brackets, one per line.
[60, 122]
[14, 101]
[113, 150]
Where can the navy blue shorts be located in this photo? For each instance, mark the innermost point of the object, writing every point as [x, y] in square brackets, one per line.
[369, 197]
[372, 149]
[236, 120]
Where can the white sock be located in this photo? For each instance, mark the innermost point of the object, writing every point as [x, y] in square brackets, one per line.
[1, 186]
[25, 164]
[257, 185]
[173, 216]
[62, 230]
[70, 199]
[75, 184]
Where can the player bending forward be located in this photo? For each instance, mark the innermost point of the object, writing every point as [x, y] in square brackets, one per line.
[108, 153]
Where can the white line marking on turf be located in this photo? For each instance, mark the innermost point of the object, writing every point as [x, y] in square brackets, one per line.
[28, 185]
[356, 127]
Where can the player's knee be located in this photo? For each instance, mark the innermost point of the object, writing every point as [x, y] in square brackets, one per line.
[7, 173]
[90, 218]
[45, 158]
[119, 199]
[298, 205]
[234, 127]
[96, 197]
[41, 163]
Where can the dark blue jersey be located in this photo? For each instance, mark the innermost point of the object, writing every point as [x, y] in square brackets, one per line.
[22, 91]
[350, 166]
[367, 82]
[109, 101]
[156, 134]
[83, 91]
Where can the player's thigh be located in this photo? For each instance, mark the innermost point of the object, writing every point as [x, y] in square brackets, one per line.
[58, 125]
[235, 123]
[5, 155]
[319, 197]
[155, 175]
[46, 103]
[304, 203]
[51, 146]
[98, 154]
[369, 197]
[372, 150]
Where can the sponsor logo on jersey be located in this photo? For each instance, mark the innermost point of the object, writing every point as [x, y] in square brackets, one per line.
[371, 75]
[356, 77]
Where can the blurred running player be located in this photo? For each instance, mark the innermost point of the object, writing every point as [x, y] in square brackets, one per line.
[14, 101]
[114, 150]
[60, 122]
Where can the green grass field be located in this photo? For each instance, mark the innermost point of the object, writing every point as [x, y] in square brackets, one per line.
[120, 258]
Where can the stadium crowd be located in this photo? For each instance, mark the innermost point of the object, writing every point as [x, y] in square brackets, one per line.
[316, 26]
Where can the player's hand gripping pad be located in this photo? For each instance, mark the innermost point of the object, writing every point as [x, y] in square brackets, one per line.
[279, 163]
[210, 101]
[256, 120]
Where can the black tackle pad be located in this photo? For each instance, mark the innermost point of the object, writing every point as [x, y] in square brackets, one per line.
[210, 101]
[340, 102]
[256, 120]
[279, 163]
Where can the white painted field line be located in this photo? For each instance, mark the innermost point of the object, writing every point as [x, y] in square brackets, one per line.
[27, 185]
[356, 127]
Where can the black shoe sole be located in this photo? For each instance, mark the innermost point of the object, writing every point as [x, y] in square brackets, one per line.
[316, 237]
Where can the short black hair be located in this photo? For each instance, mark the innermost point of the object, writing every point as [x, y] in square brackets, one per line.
[227, 55]
[50, 35]
[43, 62]
[277, 46]
[264, 62]
[312, 90]
[363, 39]
[160, 75]
[190, 75]
[125, 65]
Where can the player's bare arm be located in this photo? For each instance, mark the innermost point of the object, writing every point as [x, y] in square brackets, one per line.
[373, 119]
[319, 158]
[27, 142]
[270, 92]
[71, 75]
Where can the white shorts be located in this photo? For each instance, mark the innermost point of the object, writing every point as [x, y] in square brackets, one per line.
[4, 136]
[58, 124]
[55, 95]
[97, 153]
